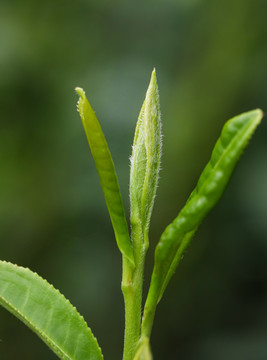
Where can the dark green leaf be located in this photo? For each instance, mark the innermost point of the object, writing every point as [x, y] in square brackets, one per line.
[46, 312]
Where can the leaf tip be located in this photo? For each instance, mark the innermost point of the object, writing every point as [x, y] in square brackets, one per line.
[80, 92]
[259, 113]
[80, 103]
[153, 80]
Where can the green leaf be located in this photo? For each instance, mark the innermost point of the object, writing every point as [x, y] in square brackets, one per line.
[46, 312]
[145, 159]
[211, 184]
[107, 174]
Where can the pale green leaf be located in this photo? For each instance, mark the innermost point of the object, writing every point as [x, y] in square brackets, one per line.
[107, 174]
[212, 182]
[145, 159]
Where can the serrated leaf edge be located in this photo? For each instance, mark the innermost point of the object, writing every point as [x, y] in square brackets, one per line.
[38, 331]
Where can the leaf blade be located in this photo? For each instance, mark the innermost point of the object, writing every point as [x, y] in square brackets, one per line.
[46, 312]
[107, 174]
[212, 182]
[145, 159]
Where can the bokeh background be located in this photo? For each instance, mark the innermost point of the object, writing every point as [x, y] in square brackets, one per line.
[211, 61]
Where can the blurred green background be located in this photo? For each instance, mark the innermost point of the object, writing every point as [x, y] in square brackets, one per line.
[211, 61]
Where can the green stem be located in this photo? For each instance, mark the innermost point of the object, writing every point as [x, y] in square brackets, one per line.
[148, 318]
[132, 288]
[157, 288]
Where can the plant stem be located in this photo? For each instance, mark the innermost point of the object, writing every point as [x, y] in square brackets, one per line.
[157, 289]
[148, 319]
[132, 288]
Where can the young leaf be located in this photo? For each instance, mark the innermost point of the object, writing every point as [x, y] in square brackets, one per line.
[46, 312]
[107, 174]
[145, 159]
[211, 184]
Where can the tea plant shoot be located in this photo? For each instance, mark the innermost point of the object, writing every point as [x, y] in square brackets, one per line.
[49, 314]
